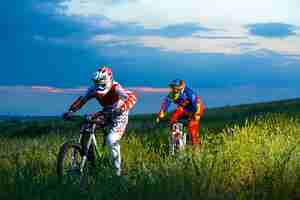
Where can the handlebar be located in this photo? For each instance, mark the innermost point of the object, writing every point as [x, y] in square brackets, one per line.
[100, 117]
[72, 118]
[166, 120]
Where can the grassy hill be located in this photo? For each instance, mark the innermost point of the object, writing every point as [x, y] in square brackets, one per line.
[247, 152]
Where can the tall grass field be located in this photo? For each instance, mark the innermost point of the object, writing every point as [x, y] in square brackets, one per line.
[247, 152]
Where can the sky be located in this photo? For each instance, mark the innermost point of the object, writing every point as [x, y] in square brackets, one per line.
[230, 52]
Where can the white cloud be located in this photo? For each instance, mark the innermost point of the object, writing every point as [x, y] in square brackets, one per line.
[227, 18]
[214, 12]
[198, 43]
[110, 40]
[222, 41]
[288, 46]
[190, 45]
[106, 38]
[95, 23]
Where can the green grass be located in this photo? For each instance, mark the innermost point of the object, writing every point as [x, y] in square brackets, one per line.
[247, 152]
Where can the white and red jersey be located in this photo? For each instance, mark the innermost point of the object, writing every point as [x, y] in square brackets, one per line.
[116, 97]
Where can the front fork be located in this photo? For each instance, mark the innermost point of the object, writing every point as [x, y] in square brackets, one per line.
[92, 139]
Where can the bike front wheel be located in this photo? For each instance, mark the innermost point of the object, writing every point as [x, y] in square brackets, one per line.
[68, 163]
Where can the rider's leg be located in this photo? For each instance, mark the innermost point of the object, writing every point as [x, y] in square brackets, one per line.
[194, 120]
[192, 127]
[115, 157]
[112, 140]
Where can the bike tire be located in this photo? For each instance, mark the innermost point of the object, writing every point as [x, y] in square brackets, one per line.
[63, 156]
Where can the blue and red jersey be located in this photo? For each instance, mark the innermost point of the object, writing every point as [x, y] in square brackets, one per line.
[187, 99]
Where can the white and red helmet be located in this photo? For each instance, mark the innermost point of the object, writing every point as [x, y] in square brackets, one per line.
[103, 79]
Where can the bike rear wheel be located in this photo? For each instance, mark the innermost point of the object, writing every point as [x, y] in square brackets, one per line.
[68, 164]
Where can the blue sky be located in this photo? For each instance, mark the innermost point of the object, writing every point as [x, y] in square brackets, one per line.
[230, 51]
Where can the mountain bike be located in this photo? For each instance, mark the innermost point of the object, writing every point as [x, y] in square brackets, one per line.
[76, 157]
[178, 136]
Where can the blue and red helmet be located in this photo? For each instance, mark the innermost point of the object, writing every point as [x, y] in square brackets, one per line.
[177, 86]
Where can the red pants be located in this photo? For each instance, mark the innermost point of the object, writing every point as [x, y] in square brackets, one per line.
[192, 125]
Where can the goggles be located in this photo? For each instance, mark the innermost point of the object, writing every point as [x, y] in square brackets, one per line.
[100, 84]
[175, 89]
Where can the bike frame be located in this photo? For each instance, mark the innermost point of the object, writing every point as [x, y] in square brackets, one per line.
[91, 141]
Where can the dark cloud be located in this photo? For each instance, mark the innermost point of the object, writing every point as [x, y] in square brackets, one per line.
[178, 30]
[272, 30]
[28, 60]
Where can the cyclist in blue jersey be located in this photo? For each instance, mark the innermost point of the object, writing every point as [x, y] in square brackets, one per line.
[188, 104]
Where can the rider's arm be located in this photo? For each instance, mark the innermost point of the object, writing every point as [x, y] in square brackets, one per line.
[127, 96]
[80, 101]
[164, 106]
[196, 102]
[191, 96]
[199, 108]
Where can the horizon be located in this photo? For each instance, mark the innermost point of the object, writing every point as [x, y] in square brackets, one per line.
[148, 113]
